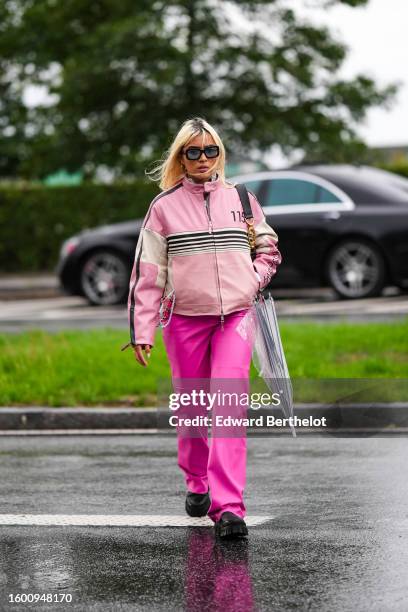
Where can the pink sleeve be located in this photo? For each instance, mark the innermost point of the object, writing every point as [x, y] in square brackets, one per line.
[147, 280]
[268, 257]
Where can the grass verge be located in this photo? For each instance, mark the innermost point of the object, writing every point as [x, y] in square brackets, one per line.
[72, 367]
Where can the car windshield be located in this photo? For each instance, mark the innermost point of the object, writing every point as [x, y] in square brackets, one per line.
[367, 185]
[396, 180]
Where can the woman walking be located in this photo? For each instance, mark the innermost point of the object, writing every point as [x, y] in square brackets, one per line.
[193, 250]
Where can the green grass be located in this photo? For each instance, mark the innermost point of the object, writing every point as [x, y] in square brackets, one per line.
[72, 368]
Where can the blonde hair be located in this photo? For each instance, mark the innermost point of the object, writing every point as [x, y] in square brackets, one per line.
[169, 170]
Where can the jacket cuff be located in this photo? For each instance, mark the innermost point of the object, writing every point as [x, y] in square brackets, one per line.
[133, 344]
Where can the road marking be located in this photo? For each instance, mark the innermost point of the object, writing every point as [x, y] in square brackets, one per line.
[118, 520]
[83, 432]
[381, 430]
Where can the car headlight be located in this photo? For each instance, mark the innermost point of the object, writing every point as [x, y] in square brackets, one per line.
[68, 246]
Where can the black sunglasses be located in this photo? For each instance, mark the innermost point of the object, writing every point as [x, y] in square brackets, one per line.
[194, 153]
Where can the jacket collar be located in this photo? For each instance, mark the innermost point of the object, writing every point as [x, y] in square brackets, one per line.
[200, 188]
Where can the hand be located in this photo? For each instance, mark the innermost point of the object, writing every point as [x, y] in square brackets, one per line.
[259, 280]
[138, 352]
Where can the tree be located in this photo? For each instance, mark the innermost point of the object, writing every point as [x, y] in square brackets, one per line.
[124, 75]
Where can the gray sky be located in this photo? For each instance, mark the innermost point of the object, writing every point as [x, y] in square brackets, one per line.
[378, 47]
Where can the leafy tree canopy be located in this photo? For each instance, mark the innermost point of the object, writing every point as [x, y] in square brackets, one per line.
[123, 75]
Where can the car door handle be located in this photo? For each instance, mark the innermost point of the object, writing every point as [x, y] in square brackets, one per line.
[331, 215]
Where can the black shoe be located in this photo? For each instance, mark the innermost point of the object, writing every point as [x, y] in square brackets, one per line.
[197, 504]
[230, 526]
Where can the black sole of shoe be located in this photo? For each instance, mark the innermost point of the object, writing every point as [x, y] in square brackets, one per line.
[231, 531]
[198, 511]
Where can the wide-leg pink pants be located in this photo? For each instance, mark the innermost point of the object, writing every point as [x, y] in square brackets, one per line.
[197, 347]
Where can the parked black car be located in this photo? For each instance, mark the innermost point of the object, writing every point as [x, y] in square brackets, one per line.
[339, 225]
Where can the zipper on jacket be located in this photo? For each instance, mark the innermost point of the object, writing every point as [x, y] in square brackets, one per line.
[210, 231]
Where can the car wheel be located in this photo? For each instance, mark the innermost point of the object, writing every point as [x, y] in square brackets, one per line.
[104, 278]
[355, 269]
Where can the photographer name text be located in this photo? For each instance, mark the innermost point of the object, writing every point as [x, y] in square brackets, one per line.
[267, 420]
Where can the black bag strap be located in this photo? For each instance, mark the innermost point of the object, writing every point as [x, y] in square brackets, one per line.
[249, 217]
[246, 204]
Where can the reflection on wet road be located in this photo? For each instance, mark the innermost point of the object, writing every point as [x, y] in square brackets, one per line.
[337, 539]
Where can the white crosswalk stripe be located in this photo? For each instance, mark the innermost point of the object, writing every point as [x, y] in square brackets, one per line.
[118, 520]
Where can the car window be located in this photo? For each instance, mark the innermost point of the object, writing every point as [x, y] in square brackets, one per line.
[326, 196]
[253, 186]
[282, 192]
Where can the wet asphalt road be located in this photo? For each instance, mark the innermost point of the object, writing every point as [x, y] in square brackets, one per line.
[59, 312]
[338, 539]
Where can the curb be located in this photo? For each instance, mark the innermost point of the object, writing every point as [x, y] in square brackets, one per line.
[339, 417]
[26, 286]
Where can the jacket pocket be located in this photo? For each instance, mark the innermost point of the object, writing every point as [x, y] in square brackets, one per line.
[239, 282]
[195, 281]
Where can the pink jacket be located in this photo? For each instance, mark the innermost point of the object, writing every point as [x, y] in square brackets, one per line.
[194, 243]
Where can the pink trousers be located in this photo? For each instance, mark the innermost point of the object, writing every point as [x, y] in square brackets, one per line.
[198, 348]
